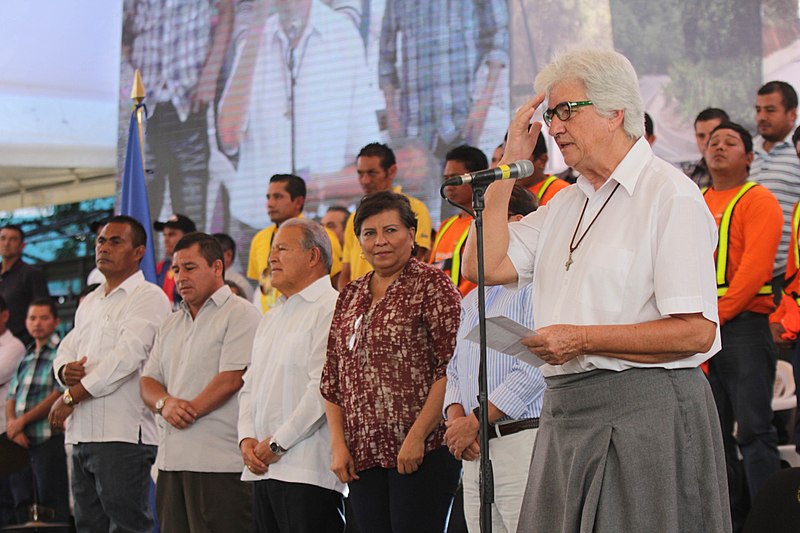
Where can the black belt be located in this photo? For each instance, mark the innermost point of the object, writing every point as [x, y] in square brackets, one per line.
[501, 430]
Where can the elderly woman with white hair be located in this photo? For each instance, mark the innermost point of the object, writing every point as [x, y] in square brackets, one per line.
[625, 299]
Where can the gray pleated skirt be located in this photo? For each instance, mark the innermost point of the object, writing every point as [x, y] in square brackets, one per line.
[625, 452]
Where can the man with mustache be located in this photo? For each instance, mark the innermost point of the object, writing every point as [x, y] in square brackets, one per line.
[190, 382]
[775, 164]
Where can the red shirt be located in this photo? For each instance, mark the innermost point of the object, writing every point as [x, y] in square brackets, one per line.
[383, 360]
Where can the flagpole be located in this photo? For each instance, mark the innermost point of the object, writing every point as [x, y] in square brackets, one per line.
[137, 95]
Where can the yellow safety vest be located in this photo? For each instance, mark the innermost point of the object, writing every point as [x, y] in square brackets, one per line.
[547, 183]
[724, 240]
[455, 266]
[795, 232]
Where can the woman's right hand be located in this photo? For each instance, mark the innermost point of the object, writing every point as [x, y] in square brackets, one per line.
[342, 463]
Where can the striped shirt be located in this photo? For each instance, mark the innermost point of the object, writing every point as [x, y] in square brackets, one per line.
[442, 46]
[779, 171]
[171, 46]
[515, 388]
[32, 383]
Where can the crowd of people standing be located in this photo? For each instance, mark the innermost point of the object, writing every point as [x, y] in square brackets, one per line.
[339, 368]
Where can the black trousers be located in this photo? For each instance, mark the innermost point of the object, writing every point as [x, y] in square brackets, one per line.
[385, 501]
[283, 507]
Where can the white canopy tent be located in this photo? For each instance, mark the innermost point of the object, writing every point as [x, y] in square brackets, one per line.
[59, 100]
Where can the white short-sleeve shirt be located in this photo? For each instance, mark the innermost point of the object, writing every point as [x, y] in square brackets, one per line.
[649, 254]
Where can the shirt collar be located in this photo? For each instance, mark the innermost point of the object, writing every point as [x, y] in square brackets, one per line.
[218, 299]
[313, 292]
[311, 28]
[628, 170]
[129, 285]
[758, 143]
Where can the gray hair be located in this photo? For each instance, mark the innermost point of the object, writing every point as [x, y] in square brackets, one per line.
[610, 81]
[314, 236]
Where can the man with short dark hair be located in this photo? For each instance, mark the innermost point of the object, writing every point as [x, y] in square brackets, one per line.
[190, 380]
[649, 129]
[19, 282]
[542, 186]
[32, 392]
[283, 434]
[172, 229]
[286, 197]
[99, 362]
[449, 242]
[377, 167]
[335, 220]
[231, 269]
[705, 122]
[775, 165]
[742, 373]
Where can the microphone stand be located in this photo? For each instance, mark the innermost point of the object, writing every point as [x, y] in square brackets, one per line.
[486, 476]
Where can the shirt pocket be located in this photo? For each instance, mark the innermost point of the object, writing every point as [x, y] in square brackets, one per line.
[607, 278]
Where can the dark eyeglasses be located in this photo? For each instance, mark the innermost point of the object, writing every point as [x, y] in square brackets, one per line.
[563, 110]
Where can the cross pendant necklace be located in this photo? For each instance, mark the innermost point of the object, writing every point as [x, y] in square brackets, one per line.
[574, 245]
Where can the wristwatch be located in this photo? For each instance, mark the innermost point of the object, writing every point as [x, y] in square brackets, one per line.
[160, 404]
[67, 398]
[275, 448]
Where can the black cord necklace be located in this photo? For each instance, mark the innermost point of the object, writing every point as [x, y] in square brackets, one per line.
[574, 245]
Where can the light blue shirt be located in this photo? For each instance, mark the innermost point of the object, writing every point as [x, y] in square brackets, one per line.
[516, 388]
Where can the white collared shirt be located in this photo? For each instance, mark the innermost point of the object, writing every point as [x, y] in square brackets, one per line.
[187, 354]
[115, 332]
[281, 397]
[649, 254]
[11, 353]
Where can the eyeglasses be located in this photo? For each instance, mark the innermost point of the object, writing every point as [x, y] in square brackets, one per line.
[563, 110]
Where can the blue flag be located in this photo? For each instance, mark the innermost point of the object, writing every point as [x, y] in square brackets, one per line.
[134, 201]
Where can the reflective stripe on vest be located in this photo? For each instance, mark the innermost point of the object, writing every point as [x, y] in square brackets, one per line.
[795, 231]
[724, 242]
[455, 265]
[547, 183]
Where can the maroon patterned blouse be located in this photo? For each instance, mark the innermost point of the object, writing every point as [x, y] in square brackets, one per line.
[383, 360]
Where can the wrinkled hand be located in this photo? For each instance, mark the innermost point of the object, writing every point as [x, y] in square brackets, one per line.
[461, 432]
[22, 440]
[778, 331]
[263, 452]
[522, 136]
[557, 344]
[342, 463]
[59, 413]
[179, 413]
[251, 460]
[74, 372]
[411, 454]
[472, 452]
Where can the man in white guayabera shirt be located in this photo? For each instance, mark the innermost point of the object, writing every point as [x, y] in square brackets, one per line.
[100, 362]
[283, 433]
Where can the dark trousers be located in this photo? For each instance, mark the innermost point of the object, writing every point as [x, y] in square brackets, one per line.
[48, 471]
[385, 501]
[177, 154]
[203, 502]
[741, 377]
[284, 507]
[111, 486]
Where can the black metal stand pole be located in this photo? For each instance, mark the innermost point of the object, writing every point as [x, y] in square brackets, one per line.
[486, 475]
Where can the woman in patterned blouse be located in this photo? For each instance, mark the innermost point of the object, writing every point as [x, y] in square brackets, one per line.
[392, 334]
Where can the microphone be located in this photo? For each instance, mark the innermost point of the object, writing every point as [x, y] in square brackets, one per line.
[520, 169]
